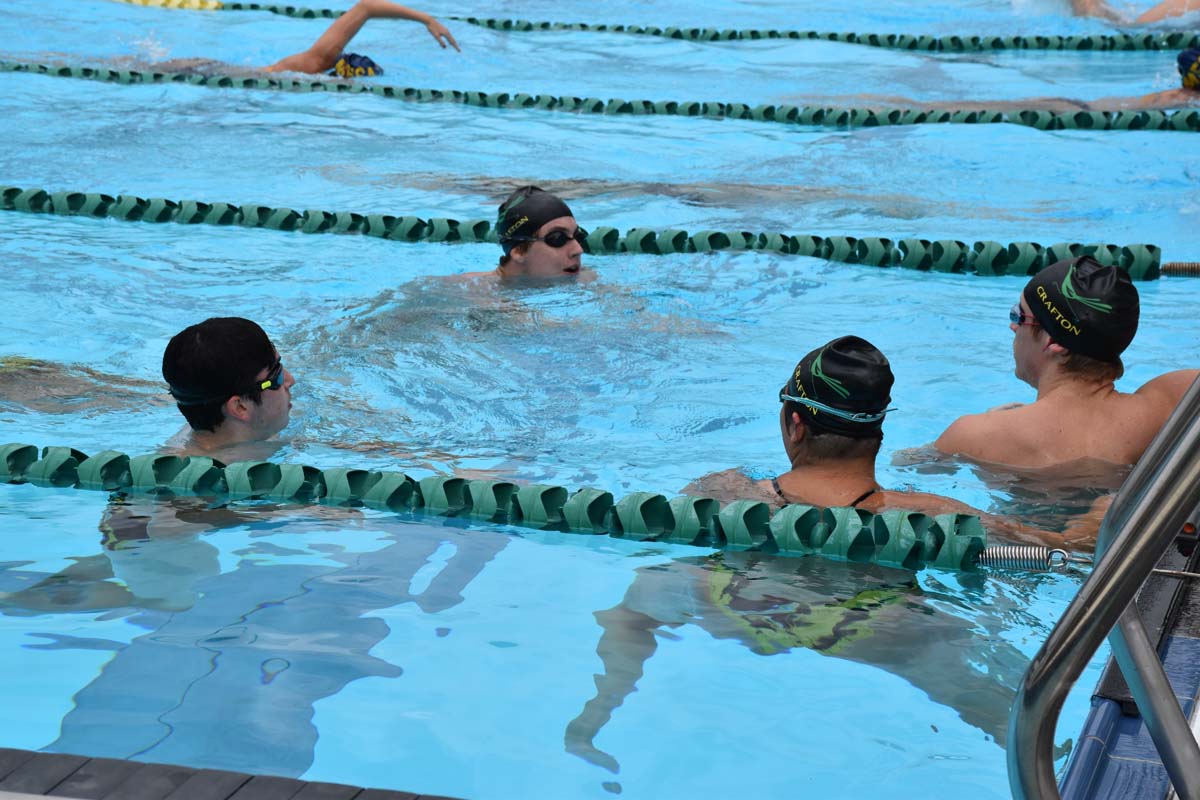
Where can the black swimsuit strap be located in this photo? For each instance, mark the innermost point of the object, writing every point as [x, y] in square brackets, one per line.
[854, 504]
[864, 496]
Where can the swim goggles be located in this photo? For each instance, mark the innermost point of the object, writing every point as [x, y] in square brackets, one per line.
[837, 412]
[1018, 317]
[556, 238]
[273, 381]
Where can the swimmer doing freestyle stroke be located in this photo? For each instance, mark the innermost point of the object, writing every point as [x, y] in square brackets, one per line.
[328, 53]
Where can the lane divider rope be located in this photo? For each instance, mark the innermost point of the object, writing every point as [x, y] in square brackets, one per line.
[897, 41]
[1141, 261]
[1184, 119]
[900, 538]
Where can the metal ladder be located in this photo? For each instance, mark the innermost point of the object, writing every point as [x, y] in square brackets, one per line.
[1150, 509]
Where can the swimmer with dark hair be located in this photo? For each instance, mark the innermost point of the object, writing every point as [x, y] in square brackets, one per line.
[229, 383]
[539, 236]
[1070, 325]
[831, 417]
[328, 54]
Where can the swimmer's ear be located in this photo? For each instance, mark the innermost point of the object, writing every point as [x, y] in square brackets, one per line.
[798, 430]
[1056, 349]
[237, 407]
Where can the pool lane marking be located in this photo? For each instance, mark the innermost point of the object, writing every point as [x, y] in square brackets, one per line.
[1179, 120]
[947, 255]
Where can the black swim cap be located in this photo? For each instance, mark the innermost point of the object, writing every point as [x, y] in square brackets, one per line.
[1189, 68]
[524, 212]
[215, 359]
[851, 379]
[1085, 306]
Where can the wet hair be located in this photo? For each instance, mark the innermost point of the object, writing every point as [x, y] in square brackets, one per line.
[822, 445]
[207, 363]
[1093, 369]
[521, 248]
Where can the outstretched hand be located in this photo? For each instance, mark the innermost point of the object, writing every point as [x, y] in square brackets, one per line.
[441, 34]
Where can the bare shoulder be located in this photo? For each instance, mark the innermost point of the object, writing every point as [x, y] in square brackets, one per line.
[974, 433]
[1169, 388]
[728, 485]
[932, 504]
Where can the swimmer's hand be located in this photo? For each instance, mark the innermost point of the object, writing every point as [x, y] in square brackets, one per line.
[441, 34]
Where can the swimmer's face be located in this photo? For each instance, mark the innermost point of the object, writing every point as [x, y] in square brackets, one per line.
[271, 415]
[540, 260]
[1026, 347]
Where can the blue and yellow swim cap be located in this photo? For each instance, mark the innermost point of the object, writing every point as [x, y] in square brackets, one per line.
[1189, 68]
[352, 65]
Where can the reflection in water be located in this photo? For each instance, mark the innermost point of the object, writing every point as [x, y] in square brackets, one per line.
[864, 613]
[261, 643]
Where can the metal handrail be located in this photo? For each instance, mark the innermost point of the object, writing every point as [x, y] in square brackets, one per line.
[1148, 512]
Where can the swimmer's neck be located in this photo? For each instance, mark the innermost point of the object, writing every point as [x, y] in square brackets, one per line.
[227, 443]
[1054, 383]
[829, 482]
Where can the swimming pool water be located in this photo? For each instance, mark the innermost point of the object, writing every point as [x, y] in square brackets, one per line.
[347, 646]
[358, 647]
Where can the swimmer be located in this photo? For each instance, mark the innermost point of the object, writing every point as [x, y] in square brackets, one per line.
[540, 237]
[1070, 325]
[327, 54]
[831, 421]
[1187, 96]
[229, 383]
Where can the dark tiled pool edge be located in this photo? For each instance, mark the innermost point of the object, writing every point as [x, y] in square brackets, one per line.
[61, 775]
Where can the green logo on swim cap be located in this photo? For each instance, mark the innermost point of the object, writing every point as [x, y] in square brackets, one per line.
[833, 383]
[1068, 290]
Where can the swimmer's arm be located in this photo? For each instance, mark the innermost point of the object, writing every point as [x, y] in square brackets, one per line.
[326, 50]
[1169, 98]
[1168, 8]
[383, 9]
[1005, 529]
[1095, 8]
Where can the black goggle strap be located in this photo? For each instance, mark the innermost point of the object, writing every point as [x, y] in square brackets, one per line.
[274, 380]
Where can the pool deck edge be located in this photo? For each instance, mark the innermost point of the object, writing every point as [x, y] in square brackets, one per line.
[26, 774]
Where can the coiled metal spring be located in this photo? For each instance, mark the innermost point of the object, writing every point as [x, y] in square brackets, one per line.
[1182, 268]
[1024, 556]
